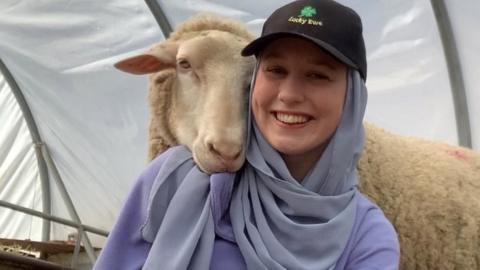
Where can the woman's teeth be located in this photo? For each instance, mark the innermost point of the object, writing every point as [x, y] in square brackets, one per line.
[291, 118]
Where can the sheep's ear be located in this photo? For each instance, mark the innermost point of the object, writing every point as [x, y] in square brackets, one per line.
[157, 58]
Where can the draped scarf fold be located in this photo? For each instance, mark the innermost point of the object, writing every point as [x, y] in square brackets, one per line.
[277, 222]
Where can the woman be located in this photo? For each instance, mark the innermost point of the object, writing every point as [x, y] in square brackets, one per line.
[294, 204]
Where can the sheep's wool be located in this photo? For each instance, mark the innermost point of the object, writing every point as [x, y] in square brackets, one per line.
[278, 223]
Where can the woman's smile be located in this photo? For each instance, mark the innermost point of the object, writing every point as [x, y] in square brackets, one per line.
[292, 119]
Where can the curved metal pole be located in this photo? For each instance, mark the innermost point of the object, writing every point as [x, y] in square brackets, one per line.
[160, 17]
[44, 162]
[37, 141]
[69, 203]
[454, 72]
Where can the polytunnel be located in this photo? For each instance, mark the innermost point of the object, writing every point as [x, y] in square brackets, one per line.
[73, 134]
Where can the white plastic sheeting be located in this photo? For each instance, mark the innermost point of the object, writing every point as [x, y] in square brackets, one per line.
[18, 172]
[93, 118]
[408, 84]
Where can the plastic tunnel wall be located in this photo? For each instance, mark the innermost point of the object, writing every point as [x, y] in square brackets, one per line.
[94, 119]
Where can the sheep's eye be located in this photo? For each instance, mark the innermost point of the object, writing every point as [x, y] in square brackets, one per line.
[183, 63]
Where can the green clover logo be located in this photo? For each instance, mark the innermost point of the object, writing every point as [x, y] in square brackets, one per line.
[308, 11]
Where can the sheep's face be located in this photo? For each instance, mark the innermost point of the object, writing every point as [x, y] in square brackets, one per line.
[211, 93]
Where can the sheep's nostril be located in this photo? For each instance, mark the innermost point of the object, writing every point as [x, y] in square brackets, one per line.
[212, 149]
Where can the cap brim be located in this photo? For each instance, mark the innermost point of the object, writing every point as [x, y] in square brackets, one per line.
[257, 45]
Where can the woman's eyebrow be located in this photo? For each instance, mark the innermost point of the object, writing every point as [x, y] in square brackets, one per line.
[321, 62]
[271, 54]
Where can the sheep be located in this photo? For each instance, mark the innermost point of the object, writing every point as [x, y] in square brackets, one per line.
[198, 90]
[428, 190]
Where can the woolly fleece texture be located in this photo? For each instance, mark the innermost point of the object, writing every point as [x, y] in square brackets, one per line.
[430, 191]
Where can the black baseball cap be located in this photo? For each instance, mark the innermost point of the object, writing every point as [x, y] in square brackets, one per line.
[332, 26]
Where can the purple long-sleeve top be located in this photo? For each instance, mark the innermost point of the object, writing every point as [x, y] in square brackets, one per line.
[373, 243]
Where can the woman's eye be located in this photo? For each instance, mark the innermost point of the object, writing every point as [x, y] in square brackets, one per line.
[183, 63]
[318, 76]
[276, 70]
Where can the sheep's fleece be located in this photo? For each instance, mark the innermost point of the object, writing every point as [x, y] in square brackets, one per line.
[430, 192]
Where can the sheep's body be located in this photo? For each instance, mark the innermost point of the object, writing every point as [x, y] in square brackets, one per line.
[198, 90]
[430, 191]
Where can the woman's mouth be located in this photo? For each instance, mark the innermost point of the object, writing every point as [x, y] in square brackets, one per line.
[291, 119]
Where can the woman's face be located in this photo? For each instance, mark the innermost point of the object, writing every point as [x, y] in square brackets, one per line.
[298, 98]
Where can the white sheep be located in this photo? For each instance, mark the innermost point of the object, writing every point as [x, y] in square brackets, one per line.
[198, 91]
[430, 191]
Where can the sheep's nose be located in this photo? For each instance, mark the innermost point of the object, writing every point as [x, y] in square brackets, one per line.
[227, 151]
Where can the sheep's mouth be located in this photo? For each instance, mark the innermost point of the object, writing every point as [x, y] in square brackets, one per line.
[216, 164]
[210, 160]
[291, 119]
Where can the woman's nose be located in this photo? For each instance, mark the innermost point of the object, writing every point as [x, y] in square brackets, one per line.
[291, 91]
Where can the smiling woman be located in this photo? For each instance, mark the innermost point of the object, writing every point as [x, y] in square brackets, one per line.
[298, 100]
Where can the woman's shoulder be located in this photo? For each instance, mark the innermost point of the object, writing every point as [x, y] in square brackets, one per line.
[372, 225]
[172, 174]
[156, 179]
[373, 243]
[163, 164]
[366, 206]
[126, 248]
[142, 189]
[177, 153]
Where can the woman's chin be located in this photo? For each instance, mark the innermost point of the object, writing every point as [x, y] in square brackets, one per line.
[289, 147]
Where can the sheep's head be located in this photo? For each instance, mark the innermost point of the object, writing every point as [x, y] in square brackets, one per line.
[209, 98]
